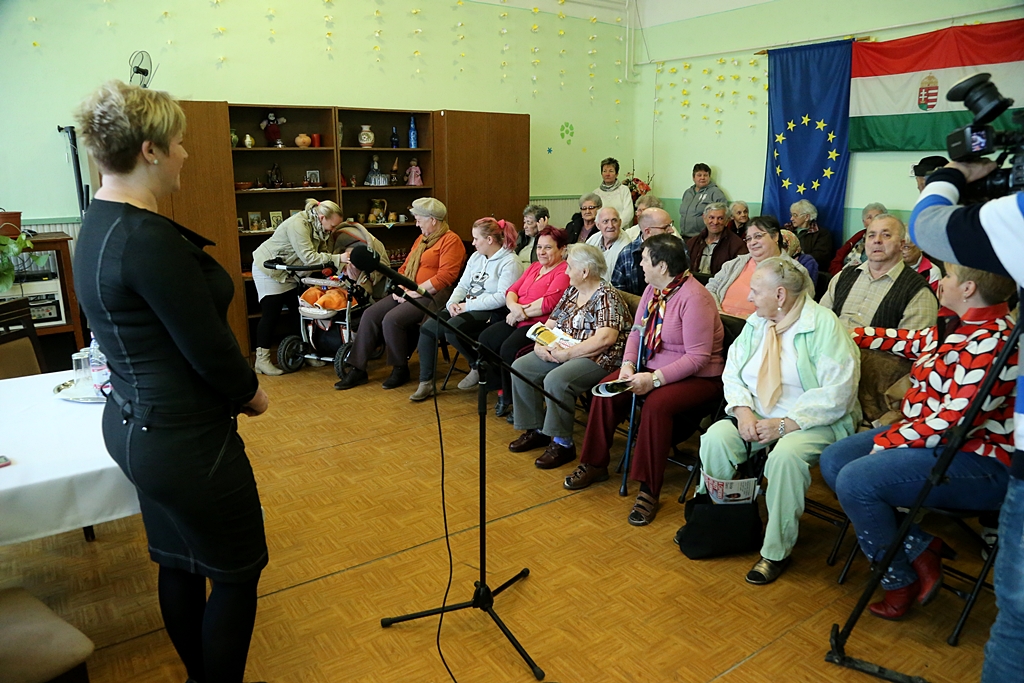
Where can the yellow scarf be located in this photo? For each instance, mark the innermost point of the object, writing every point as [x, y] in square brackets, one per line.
[769, 377]
[412, 263]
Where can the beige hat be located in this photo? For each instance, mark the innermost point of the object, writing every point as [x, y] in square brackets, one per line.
[429, 207]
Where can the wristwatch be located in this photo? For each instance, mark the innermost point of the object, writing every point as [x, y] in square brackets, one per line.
[655, 380]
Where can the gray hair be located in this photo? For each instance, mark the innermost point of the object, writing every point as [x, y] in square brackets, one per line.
[738, 202]
[805, 208]
[586, 257]
[787, 273]
[889, 216]
[592, 197]
[538, 211]
[873, 206]
[716, 206]
[649, 201]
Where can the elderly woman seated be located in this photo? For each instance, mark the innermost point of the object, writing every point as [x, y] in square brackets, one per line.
[790, 381]
[795, 252]
[739, 216]
[583, 225]
[535, 219]
[876, 471]
[814, 239]
[433, 263]
[592, 313]
[478, 299]
[730, 287]
[681, 369]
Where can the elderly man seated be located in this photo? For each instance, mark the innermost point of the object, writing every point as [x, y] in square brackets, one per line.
[643, 202]
[628, 276]
[610, 238]
[715, 245]
[882, 291]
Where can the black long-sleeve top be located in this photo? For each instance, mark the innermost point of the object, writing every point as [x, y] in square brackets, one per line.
[157, 304]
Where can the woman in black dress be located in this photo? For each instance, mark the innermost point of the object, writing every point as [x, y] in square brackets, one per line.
[158, 307]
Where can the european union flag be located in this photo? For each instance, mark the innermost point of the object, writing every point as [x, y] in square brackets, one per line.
[808, 120]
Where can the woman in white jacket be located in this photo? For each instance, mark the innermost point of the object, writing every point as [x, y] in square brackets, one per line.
[478, 300]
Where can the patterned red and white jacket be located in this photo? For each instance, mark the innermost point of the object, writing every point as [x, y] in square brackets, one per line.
[945, 379]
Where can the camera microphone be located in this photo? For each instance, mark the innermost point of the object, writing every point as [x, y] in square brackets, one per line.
[368, 261]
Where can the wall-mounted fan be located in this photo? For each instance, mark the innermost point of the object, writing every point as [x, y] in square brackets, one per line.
[142, 70]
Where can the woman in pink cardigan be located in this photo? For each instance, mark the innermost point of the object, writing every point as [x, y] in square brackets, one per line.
[683, 366]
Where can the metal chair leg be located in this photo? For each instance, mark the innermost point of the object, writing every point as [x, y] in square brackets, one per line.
[451, 368]
[847, 564]
[954, 637]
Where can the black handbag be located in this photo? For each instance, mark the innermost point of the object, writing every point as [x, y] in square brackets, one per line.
[717, 530]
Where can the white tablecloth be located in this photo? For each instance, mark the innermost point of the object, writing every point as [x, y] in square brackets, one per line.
[61, 477]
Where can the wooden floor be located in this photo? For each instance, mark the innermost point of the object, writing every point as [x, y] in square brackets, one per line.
[351, 486]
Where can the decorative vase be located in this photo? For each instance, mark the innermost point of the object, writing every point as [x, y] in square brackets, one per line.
[249, 142]
[234, 138]
[302, 140]
[366, 136]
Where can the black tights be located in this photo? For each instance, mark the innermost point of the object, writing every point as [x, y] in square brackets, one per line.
[270, 311]
[211, 636]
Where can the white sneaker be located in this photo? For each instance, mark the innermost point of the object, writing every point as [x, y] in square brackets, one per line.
[470, 381]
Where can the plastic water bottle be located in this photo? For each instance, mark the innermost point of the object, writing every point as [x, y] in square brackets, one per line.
[98, 368]
[413, 135]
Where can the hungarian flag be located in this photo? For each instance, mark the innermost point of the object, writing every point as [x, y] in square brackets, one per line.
[898, 87]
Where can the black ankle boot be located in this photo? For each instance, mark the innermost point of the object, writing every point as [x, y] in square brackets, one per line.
[399, 376]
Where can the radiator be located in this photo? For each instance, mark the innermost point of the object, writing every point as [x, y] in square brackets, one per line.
[561, 208]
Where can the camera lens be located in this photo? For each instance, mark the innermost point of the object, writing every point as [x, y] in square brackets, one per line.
[980, 95]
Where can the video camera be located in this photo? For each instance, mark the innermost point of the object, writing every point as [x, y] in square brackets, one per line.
[969, 143]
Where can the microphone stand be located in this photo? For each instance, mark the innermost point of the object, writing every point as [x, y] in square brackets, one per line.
[483, 594]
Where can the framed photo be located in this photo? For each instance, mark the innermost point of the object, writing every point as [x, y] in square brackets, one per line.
[241, 223]
[254, 220]
[275, 218]
[292, 212]
[313, 176]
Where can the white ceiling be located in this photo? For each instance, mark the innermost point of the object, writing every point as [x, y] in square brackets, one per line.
[651, 12]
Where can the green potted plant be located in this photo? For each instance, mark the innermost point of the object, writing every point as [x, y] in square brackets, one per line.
[10, 250]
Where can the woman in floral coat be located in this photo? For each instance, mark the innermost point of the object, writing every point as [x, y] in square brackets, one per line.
[875, 471]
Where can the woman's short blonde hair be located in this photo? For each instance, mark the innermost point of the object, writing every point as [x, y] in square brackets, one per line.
[586, 257]
[787, 273]
[115, 120]
[994, 289]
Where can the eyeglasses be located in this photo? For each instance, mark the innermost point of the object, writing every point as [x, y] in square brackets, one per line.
[754, 237]
[588, 208]
[660, 227]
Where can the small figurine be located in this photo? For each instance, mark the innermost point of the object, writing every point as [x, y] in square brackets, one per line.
[249, 142]
[375, 177]
[272, 129]
[393, 180]
[413, 174]
[352, 181]
[274, 179]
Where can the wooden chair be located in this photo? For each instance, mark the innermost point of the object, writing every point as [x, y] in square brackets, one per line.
[21, 355]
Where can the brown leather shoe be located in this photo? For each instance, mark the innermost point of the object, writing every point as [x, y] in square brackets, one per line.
[528, 440]
[585, 475]
[555, 456]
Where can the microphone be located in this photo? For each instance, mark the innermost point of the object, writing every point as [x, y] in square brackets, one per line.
[368, 261]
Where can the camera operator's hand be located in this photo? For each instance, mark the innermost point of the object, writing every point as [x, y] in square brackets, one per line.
[974, 170]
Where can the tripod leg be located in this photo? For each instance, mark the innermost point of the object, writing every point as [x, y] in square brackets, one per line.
[521, 575]
[538, 672]
[388, 621]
